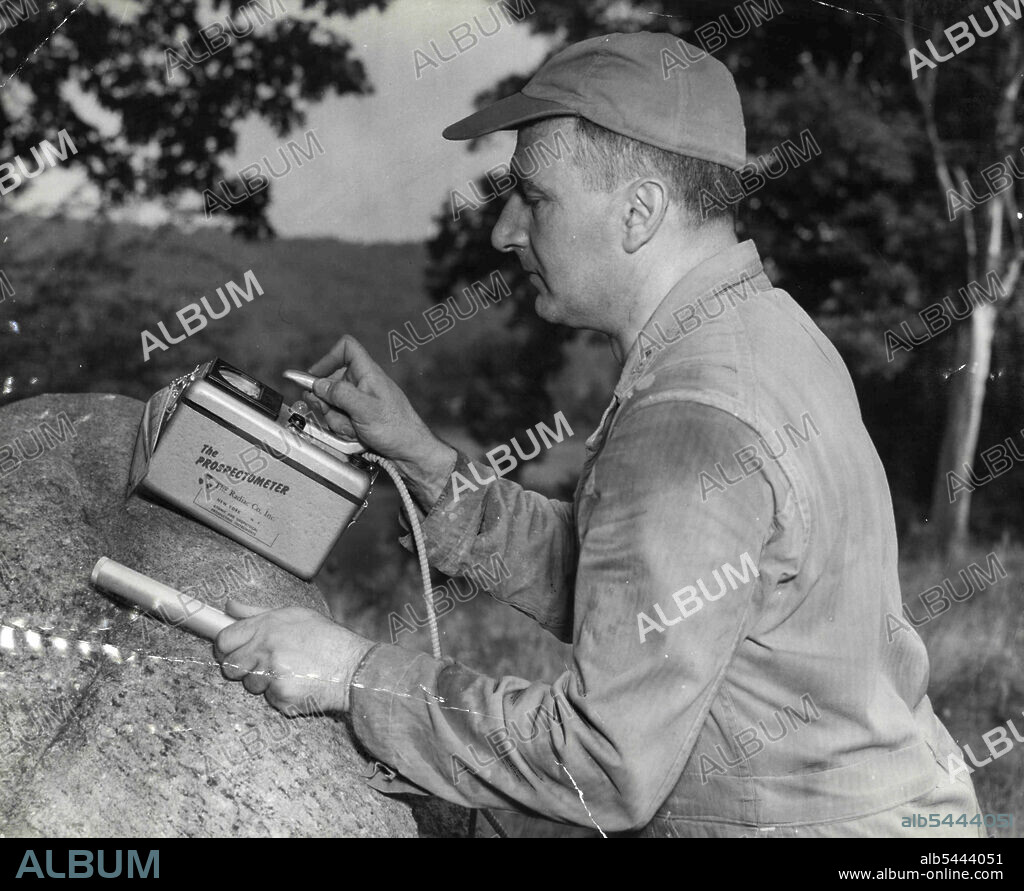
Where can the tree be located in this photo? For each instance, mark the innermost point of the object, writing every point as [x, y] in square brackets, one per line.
[972, 122]
[177, 90]
[177, 116]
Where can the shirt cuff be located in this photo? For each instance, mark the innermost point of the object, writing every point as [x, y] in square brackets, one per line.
[451, 524]
[378, 680]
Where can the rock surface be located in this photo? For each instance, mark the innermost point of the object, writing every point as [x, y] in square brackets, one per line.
[111, 723]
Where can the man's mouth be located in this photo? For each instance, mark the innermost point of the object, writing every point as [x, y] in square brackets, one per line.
[534, 276]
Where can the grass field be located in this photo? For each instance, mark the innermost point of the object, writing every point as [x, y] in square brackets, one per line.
[977, 668]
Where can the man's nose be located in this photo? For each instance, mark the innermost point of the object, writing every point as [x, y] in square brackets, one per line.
[509, 232]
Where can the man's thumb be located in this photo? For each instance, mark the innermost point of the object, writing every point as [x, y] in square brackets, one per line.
[238, 610]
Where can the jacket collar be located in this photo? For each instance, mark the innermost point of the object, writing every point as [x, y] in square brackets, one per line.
[723, 271]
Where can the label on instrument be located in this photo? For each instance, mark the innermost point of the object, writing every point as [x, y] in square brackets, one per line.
[233, 507]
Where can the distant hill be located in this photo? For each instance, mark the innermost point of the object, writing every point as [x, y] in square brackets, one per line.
[315, 290]
[85, 292]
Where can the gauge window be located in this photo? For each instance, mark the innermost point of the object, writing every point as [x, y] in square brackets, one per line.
[242, 383]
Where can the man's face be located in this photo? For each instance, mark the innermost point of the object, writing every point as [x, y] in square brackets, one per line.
[567, 237]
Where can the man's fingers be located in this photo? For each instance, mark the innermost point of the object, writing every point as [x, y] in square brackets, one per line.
[310, 398]
[327, 363]
[340, 423]
[243, 665]
[237, 666]
[342, 395]
[358, 360]
[256, 683]
[347, 351]
[332, 419]
[236, 635]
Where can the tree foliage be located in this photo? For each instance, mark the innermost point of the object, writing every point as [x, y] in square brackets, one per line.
[145, 128]
[173, 125]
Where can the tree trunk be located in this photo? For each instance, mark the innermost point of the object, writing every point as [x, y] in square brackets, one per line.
[972, 362]
[972, 359]
[973, 352]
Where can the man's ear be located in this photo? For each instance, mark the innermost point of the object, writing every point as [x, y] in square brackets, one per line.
[648, 203]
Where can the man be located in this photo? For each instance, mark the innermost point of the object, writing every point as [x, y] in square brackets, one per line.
[727, 568]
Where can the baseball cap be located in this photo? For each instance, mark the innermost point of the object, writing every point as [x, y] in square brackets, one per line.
[628, 84]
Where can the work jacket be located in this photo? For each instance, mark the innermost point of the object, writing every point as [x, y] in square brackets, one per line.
[727, 577]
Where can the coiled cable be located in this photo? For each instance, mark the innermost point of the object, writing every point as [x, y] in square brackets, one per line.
[421, 547]
[428, 591]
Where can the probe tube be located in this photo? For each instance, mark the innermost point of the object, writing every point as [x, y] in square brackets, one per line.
[159, 599]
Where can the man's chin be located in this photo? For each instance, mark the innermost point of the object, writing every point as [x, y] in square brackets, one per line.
[545, 308]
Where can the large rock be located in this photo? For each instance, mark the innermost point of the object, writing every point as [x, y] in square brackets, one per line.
[112, 724]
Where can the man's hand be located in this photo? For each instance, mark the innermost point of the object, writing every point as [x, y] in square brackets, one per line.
[360, 401]
[300, 660]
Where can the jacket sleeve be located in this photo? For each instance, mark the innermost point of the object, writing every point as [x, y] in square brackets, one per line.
[520, 545]
[667, 583]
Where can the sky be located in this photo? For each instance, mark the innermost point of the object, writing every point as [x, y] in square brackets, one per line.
[385, 171]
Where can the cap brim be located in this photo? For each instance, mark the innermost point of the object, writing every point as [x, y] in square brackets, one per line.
[505, 114]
